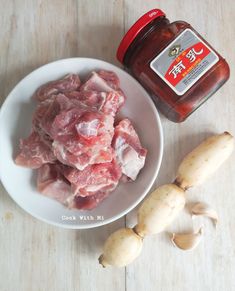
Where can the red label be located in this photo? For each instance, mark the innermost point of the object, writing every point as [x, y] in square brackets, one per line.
[185, 62]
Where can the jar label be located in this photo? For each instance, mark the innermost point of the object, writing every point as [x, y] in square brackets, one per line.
[184, 61]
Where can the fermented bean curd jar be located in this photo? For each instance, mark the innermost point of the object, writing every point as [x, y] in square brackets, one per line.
[173, 62]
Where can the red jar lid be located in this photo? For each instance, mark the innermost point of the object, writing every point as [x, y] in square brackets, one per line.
[135, 30]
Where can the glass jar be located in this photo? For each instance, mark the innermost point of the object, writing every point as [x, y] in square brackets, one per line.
[173, 62]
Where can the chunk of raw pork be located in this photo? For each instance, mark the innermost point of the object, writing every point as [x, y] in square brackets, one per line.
[129, 151]
[106, 102]
[36, 122]
[112, 103]
[51, 183]
[88, 202]
[48, 112]
[110, 78]
[86, 141]
[70, 82]
[33, 152]
[106, 85]
[80, 157]
[102, 81]
[93, 179]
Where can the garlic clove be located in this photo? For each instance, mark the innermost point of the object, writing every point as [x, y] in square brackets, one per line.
[186, 241]
[203, 209]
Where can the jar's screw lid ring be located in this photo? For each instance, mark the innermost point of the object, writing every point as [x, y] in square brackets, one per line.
[135, 30]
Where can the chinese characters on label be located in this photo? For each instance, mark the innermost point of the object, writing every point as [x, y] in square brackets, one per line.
[179, 67]
[191, 55]
[184, 61]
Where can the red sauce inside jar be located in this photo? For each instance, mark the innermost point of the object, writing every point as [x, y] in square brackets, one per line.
[173, 62]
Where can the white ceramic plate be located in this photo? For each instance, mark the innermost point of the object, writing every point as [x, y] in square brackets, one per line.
[15, 122]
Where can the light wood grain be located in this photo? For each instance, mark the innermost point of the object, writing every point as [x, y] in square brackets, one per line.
[36, 256]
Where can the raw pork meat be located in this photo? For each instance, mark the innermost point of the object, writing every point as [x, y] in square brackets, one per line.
[51, 183]
[112, 97]
[112, 103]
[86, 140]
[89, 202]
[34, 153]
[103, 81]
[99, 177]
[80, 157]
[106, 102]
[110, 78]
[70, 82]
[89, 187]
[130, 154]
[58, 105]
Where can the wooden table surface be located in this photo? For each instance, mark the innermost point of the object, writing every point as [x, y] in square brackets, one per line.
[35, 256]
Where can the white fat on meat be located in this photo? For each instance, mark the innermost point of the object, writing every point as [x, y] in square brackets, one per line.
[89, 128]
[128, 149]
[103, 96]
[96, 83]
[131, 162]
[108, 186]
[60, 150]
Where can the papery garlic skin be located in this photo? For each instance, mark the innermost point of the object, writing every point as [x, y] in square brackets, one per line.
[203, 209]
[121, 248]
[159, 209]
[204, 160]
[186, 241]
